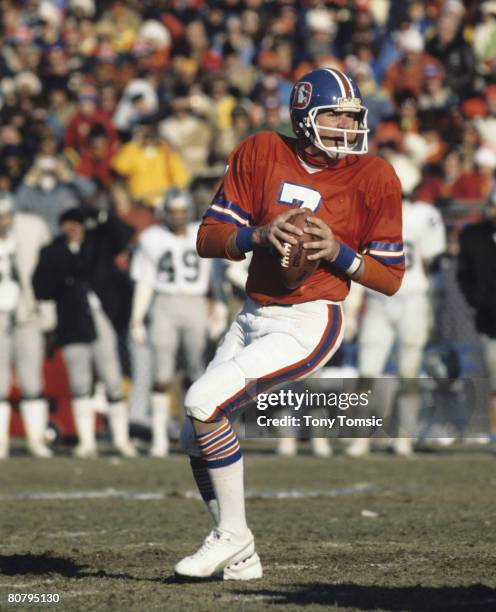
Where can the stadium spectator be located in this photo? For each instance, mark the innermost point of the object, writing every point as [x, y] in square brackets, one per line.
[23, 321]
[85, 117]
[225, 140]
[484, 41]
[449, 46]
[408, 71]
[152, 45]
[239, 75]
[149, 166]
[486, 125]
[189, 134]
[77, 271]
[222, 104]
[435, 95]
[477, 184]
[437, 186]
[50, 187]
[96, 157]
[139, 100]
[60, 109]
[321, 29]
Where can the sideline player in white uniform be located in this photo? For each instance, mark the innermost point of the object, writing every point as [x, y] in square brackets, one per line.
[172, 281]
[405, 317]
[23, 320]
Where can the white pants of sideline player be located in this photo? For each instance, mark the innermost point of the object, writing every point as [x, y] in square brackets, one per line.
[177, 319]
[280, 342]
[103, 354]
[405, 318]
[21, 346]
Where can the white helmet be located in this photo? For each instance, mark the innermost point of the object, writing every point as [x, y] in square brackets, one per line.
[177, 209]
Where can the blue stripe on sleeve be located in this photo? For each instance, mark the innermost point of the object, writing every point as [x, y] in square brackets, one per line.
[222, 217]
[232, 206]
[385, 246]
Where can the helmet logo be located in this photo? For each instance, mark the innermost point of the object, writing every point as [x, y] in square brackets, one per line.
[302, 94]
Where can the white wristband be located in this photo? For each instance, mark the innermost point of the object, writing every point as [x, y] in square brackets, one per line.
[355, 265]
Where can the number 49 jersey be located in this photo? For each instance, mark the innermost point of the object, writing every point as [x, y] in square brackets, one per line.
[170, 262]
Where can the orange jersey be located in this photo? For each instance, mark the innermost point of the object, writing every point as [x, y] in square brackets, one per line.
[359, 198]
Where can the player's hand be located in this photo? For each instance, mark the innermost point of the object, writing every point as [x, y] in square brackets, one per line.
[326, 243]
[278, 231]
[138, 333]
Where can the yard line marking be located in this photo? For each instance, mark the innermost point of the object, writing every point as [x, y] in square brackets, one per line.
[157, 496]
[24, 585]
[91, 494]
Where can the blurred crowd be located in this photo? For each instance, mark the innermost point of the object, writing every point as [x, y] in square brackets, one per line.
[90, 89]
[110, 105]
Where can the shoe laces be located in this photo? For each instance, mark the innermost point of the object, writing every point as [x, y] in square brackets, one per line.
[210, 541]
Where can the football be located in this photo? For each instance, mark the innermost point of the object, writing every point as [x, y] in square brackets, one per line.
[295, 267]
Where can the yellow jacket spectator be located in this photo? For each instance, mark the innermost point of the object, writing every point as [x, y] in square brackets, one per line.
[150, 167]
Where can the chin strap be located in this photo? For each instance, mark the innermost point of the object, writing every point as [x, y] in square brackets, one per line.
[319, 161]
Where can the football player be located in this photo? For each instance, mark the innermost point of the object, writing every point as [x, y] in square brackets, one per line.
[283, 334]
[170, 278]
[23, 320]
[405, 318]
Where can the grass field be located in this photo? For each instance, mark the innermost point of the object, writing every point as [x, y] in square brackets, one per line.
[105, 534]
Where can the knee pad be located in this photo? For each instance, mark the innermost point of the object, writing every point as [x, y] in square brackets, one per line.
[196, 404]
[187, 439]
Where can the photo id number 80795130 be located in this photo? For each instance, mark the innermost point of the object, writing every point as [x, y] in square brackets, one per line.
[33, 598]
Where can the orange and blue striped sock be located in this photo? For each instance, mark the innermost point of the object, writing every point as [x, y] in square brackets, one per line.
[219, 448]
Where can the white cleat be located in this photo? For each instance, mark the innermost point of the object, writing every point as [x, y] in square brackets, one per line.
[358, 448]
[40, 450]
[403, 447]
[286, 447]
[444, 441]
[82, 451]
[321, 447]
[219, 550]
[159, 452]
[127, 450]
[249, 569]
